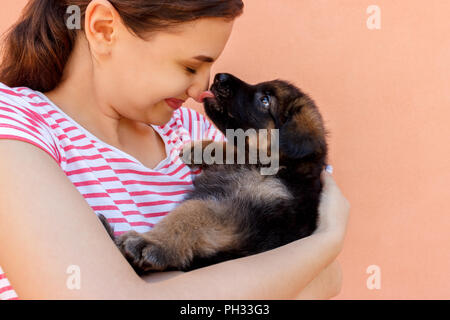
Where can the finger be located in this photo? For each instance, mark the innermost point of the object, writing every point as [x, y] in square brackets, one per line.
[327, 180]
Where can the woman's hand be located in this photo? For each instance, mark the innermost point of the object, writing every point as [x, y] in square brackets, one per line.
[334, 210]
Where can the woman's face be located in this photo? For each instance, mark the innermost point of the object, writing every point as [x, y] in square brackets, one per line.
[136, 76]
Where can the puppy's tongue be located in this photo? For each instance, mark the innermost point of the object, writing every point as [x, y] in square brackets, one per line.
[206, 94]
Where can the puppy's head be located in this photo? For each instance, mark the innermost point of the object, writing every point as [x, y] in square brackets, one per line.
[274, 104]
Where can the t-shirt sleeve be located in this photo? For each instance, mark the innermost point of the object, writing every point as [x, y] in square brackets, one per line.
[199, 126]
[21, 123]
[6, 290]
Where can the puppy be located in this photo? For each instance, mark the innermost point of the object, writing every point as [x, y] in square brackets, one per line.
[234, 209]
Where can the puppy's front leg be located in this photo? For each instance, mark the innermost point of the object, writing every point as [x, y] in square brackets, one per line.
[196, 228]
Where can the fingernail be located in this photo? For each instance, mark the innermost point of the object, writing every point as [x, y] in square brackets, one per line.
[329, 169]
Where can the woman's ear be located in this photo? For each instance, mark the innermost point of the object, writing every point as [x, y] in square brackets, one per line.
[101, 23]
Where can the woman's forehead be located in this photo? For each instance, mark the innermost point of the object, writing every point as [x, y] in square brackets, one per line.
[201, 40]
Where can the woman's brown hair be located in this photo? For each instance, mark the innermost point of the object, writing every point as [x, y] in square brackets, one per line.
[37, 47]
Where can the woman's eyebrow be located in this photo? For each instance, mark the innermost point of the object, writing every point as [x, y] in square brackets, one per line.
[203, 58]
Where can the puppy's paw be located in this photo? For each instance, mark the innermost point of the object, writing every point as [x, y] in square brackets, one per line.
[141, 252]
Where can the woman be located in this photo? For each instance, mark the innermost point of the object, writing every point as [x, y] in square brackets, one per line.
[82, 101]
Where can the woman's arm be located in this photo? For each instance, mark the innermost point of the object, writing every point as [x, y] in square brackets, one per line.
[325, 286]
[333, 216]
[276, 274]
[47, 226]
[318, 279]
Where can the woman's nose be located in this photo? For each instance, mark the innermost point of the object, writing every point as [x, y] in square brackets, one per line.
[197, 88]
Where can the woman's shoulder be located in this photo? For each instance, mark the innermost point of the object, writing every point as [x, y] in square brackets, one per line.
[22, 117]
[23, 101]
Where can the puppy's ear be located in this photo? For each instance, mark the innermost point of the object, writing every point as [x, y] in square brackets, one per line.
[302, 135]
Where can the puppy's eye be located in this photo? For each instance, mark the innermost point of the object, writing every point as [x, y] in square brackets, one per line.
[265, 100]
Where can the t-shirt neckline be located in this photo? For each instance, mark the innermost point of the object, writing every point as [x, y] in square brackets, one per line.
[123, 153]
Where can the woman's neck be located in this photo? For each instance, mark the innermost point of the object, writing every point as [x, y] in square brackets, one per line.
[76, 96]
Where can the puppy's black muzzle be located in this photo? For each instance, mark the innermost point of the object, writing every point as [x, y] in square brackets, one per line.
[227, 112]
[225, 85]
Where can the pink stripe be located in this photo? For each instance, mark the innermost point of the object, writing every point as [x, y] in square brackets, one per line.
[68, 129]
[118, 202]
[131, 213]
[33, 115]
[198, 171]
[60, 120]
[4, 289]
[85, 147]
[119, 160]
[62, 137]
[117, 220]
[133, 224]
[32, 128]
[181, 166]
[40, 104]
[96, 195]
[146, 215]
[208, 130]
[108, 179]
[86, 183]
[2, 276]
[156, 214]
[198, 127]
[157, 183]
[173, 193]
[49, 113]
[8, 104]
[80, 137]
[155, 203]
[100, 208]
[181, 115]
[119, 190]
[190, 121]
[80, 158]
[142, 173]
[141, 223]
[90, 169]
[12, 93]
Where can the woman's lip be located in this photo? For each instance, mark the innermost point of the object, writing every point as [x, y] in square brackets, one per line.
[174, 103]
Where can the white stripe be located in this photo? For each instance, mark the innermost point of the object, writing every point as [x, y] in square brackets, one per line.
[4, 283]
[7, 295]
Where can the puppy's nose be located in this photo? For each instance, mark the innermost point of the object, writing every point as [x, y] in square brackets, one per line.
[222, 78]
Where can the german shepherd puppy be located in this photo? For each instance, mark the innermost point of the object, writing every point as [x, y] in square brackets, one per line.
[234, 210]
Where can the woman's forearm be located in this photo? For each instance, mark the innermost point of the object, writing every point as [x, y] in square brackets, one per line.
[276, 274]
[326, 285]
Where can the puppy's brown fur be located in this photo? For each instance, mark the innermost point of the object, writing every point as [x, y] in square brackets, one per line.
[233, 210]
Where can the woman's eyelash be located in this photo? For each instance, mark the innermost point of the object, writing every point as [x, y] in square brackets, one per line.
[190, 70]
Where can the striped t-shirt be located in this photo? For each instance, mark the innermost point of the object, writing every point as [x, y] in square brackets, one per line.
[114, 183]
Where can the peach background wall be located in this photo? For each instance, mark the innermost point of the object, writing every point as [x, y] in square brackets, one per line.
[385, 97]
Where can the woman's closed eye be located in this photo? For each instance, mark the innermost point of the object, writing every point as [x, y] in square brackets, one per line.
[190, 70]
